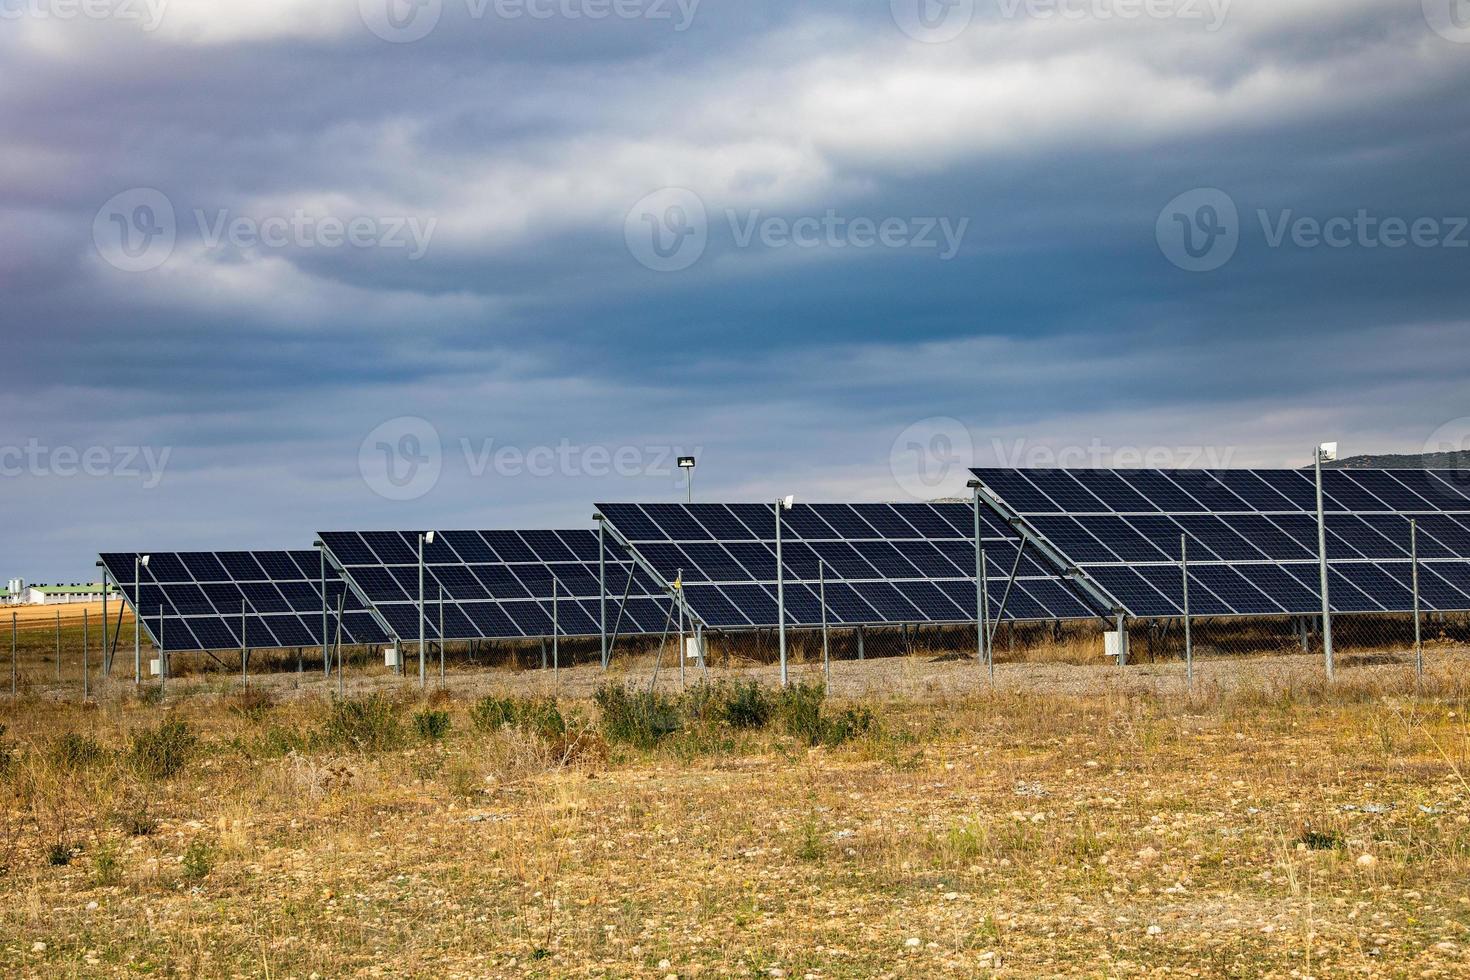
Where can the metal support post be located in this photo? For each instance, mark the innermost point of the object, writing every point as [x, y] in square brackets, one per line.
[826, 653]
[1414, 577]
[1322, 565]
[1188, 637]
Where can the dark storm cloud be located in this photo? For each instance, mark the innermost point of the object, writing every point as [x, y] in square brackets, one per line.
[523, 144]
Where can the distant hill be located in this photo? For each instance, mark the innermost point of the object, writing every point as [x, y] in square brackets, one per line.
[1428, 461]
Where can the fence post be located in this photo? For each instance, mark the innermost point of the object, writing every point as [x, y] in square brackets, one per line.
[86, 642]
[822, 597]
[1414, 577]
[860, 643]
[13, 668]
[1188, 637]
[58, 646]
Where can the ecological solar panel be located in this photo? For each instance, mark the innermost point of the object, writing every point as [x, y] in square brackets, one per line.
[1252, 536]
[496, 584]
[883, 563]
[221, 600]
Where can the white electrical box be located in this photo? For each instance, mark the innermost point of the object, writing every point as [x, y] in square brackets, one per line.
[390, 657]
[693, 648]
[155, 666]
[1114, 643]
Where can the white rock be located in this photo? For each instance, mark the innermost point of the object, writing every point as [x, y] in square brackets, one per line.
[1154, 930]
[912, 942]
[1367, 862]
[38, 947]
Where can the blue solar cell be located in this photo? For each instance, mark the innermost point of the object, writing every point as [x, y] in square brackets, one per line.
[165, 567]
[1266, 536]
[1235, 591]
[631, 522]
[215, 633]
[711, 605]
[676, 521]
[203, 566]
[1054, 598]
[528, 617]
[1249, 487]
[489, 620]
[1163, 492]
[1062, 487]
[391, 548]
[1017, 491]
[888, 601]
[753, 601]
[348, 548]
[845, 521]
[1128, 586]
[1342, 487]
[188, 600]
[1072, 539]
[885, 520]
[1362, 538]
[1377, 585]
[1434, 591]
[1296, 486]
[756, 557]
[1122, 540]
[1382, 485]
[1163, 533]
[801, 561]
[1209, 491]
[934, 603]
[931, 562]
[844, 560]
[845, 605]
[802, 606]
[721, 522]
[1289, 593]
[930, 521]
[468, 546]
[1111, 489]
[886, 559]
[1446, 489]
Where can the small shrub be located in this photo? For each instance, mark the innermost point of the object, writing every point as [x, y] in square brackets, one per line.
[106, 868]
[58, 855]
[251, 703]
[431, 724]
[160, 753]
[636, 717]
[541, 717]
[136, 821]
[800, 708]
[275, 742]
[198, 860]
[151, 695]
[366, 723]
[1321, 840]
[73, 751]
[849, 724]
[748, 706]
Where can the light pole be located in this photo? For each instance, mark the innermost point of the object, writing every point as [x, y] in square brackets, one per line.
[784, 503]
[686, 463]
[980, 611]
[426, 537]
[139, 561]
[1325, 453]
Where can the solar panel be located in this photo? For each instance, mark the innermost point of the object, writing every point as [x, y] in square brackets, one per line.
[209, 600]
[1252, 535]
[883, 563]
[496, 584]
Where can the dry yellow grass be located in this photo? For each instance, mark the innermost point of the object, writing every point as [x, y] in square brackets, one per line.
[1077, 820]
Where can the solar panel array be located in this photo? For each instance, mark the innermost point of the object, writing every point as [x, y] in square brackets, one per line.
[1252, 536]
[194, 599]
[885, 563]
[495, 584]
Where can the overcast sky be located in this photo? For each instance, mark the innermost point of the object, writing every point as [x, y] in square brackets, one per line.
[290, 265]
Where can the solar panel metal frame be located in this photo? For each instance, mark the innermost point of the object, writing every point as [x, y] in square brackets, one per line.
[497, 583]
[874, 577]
[209, 586]
[1247, 521]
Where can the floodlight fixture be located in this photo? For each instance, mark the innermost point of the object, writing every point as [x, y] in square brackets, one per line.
[788, 501]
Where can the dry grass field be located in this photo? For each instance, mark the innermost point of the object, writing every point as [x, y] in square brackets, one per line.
[1076, 819]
